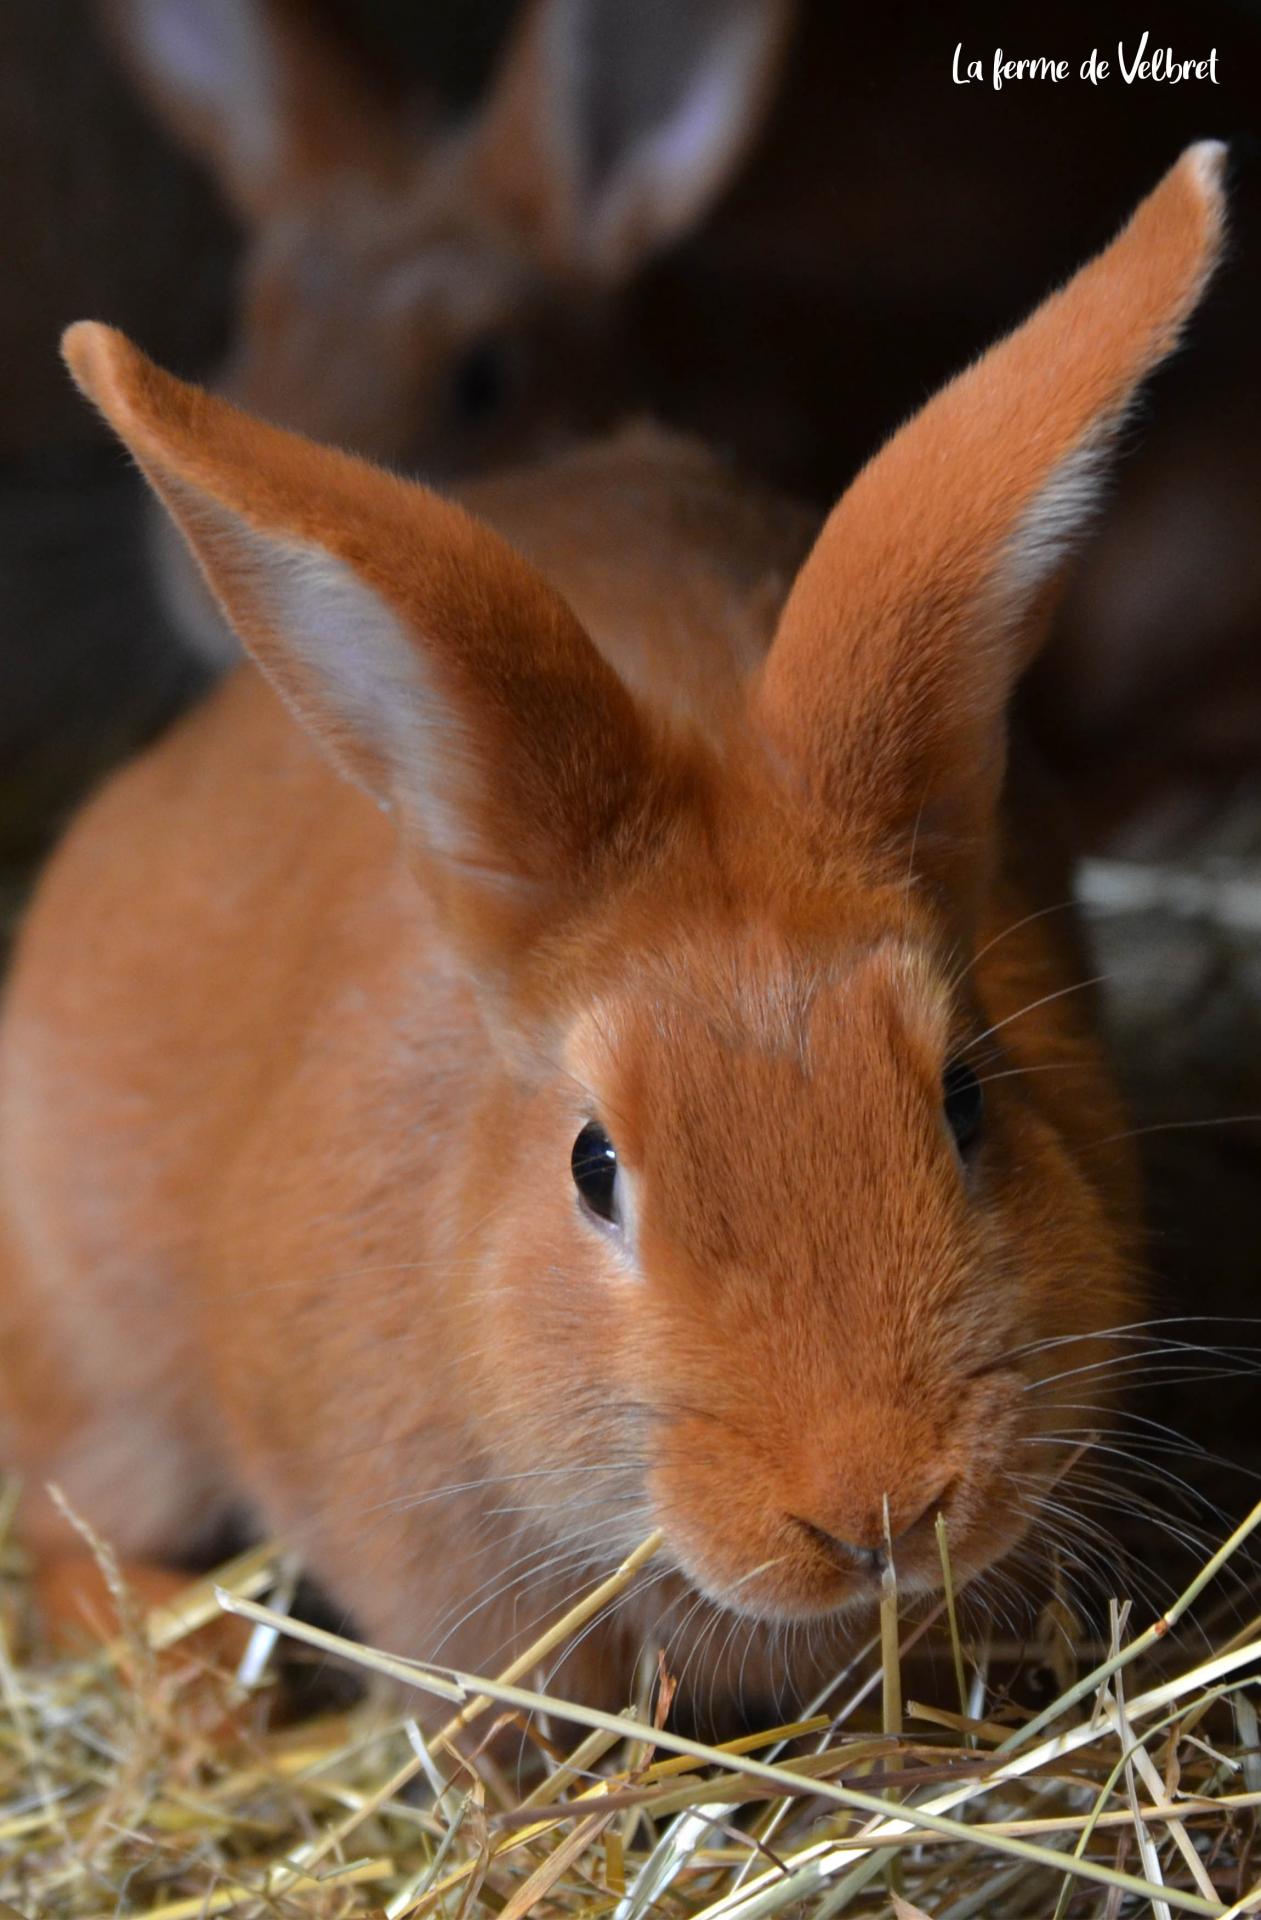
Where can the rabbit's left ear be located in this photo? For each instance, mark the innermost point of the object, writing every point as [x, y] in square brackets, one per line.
[611, 130]
[434, 666]
[887, 686]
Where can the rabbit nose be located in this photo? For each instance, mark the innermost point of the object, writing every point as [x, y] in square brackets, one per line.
[871, 1555]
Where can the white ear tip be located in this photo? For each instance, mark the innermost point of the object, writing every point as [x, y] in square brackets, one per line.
[1206, 161]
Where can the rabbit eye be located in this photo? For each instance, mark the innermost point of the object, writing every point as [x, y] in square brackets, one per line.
[594, 1166]
[964, 1103]
[482, 381]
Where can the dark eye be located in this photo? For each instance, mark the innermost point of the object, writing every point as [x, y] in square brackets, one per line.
[964, 1103]
[594, 1164]
[482, 380]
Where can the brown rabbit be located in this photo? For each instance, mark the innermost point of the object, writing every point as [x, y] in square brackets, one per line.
[441, 297]
[565, 1047]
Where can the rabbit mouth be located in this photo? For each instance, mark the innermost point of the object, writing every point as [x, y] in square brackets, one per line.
[790, 1567]
[816, 1577]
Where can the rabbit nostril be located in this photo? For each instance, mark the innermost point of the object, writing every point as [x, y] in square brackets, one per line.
[926, 1519]
[874, 1559]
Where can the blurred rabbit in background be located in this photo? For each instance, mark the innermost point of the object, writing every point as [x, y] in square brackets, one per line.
[443, 297]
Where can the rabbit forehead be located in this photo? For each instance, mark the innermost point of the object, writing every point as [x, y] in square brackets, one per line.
[716, 1028]
[782, 1130]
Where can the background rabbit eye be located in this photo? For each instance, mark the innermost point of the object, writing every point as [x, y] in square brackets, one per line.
[482, 380]
[594, 1165]
[964, 1103]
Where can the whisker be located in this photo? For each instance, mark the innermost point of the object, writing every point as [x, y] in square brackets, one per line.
[1060, 906]
[1181, 1126]
[1061, 993]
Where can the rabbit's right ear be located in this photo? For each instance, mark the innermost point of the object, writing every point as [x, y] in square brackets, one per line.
[885, 693]
[256, 91]
[435, 667]
[611, 129]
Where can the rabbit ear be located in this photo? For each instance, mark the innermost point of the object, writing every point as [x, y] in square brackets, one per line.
[432, 663]
[612, 129]
[927, 592]
[254, 89]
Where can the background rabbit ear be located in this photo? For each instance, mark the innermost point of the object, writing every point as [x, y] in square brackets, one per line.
[254, 89]
[431, 662]
[611, 129]
[927, 592]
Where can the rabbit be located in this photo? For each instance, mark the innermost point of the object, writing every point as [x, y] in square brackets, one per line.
[443, 296]
[582, 1035]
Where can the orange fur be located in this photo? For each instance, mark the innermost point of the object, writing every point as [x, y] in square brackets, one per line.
[292, 1063]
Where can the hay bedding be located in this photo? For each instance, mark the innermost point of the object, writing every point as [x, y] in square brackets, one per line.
[141, 1784]
[135, 1781]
